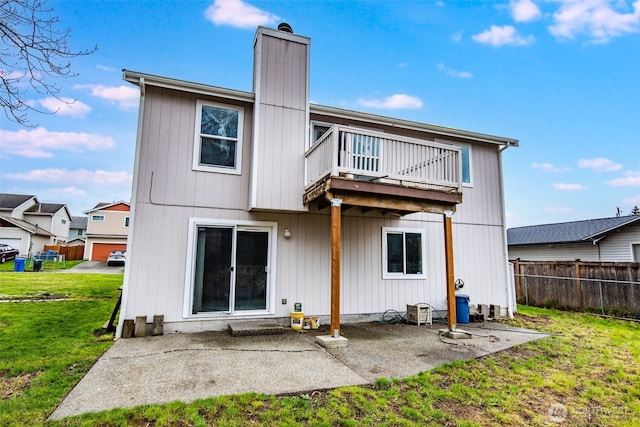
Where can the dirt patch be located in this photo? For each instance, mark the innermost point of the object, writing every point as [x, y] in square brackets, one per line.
[11, 387]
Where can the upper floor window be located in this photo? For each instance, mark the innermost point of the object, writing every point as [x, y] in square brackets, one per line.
[465, 151]
[126, 221]
[218, 144]
[466, 164]
[97, 217]
[317, 130]
[403, 253]
[64, 221]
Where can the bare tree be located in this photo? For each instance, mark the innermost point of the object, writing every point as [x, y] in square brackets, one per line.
[34, 55]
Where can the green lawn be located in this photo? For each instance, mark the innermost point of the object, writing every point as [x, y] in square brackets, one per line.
[587, 373]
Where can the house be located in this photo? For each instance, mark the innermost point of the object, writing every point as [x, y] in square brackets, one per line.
[614, 239]
[28, 225]
[245, 203]
[107, 230]
[77, 231]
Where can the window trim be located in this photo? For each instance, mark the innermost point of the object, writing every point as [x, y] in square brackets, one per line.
[197, 141]
[314, 123]
[191, 253]
[469, 158]
[95, 218]
[395, 230]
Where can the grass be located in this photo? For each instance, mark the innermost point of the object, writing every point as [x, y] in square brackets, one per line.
[586, 373]
[46, 265]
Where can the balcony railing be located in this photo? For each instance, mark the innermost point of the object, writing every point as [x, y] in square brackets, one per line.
[375, 156]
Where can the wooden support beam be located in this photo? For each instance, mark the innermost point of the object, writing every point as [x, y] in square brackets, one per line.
[335, 266]
[451, 286]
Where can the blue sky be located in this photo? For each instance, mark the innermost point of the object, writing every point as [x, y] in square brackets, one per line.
[563, 77]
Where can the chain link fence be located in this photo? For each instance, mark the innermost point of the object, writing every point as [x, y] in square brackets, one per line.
[611, 297]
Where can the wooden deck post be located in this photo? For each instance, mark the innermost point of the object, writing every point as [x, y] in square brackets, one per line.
[335, 266]
[451, 286]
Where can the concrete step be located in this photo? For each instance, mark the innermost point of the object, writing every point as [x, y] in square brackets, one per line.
[255, 327]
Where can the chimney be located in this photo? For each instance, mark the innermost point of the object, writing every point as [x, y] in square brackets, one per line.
[280, 118]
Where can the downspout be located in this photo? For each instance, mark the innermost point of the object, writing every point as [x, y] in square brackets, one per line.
[597, 243]
[511, 292]
[134, 185]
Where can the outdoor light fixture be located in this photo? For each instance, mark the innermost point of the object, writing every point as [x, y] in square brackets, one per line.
[287, 233]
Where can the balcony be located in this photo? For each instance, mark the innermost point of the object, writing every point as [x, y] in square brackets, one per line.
[379, 170]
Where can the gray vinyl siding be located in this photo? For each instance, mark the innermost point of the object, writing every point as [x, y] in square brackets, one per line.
[165, 174]
[615, 247]
[303, 270]
[282, 120]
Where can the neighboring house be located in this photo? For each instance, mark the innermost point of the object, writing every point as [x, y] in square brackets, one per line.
[241, 200]
[614, 239]
[107, 230]
[28, 225]
[78, 230]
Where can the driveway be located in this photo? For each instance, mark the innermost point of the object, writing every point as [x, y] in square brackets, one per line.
[100, 267]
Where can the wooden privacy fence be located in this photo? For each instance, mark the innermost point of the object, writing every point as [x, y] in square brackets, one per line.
[70, 253]
[606, 287]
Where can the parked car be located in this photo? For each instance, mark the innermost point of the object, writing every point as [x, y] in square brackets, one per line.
[116, 258]
[7, 252]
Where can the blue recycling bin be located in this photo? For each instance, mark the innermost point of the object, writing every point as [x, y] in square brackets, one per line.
[462, 308]
[19, 264]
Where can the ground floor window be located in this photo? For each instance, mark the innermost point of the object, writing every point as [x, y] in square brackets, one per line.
[403, 253]
[230, 268]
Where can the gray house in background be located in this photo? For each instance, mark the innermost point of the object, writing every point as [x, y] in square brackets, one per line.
[78, 230]
[614, 239]
[28, 225]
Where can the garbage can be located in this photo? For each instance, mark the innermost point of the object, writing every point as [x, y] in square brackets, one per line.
[462, 308]
[19, 264]
[37, 265]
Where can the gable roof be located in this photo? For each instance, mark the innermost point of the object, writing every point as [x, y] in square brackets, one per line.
[79, 222]
[45, 208]
[9, 202]
[103, 205]
[28, 227]
[144, 79]
[568, 232]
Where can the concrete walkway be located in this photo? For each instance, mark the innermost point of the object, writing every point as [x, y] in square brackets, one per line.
[186, 367]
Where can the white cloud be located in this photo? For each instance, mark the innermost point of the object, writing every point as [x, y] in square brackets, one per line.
[524, 10]
[500, 36]
[548, 167]
[569, 187]
[454, 73]
[73, 191]
[393, 102]
[40, 142]
[598, 19]
[631, 179]
[237, 13]
[105, 68]
[64, 176]
[65, 106]
[599, 164]
[126, 97]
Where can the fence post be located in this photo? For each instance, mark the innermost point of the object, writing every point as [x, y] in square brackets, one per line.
[516, 273]
[579, 285]
[601, 298]
[526, 291]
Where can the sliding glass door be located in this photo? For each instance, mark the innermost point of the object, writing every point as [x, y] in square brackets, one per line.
[231, 269]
